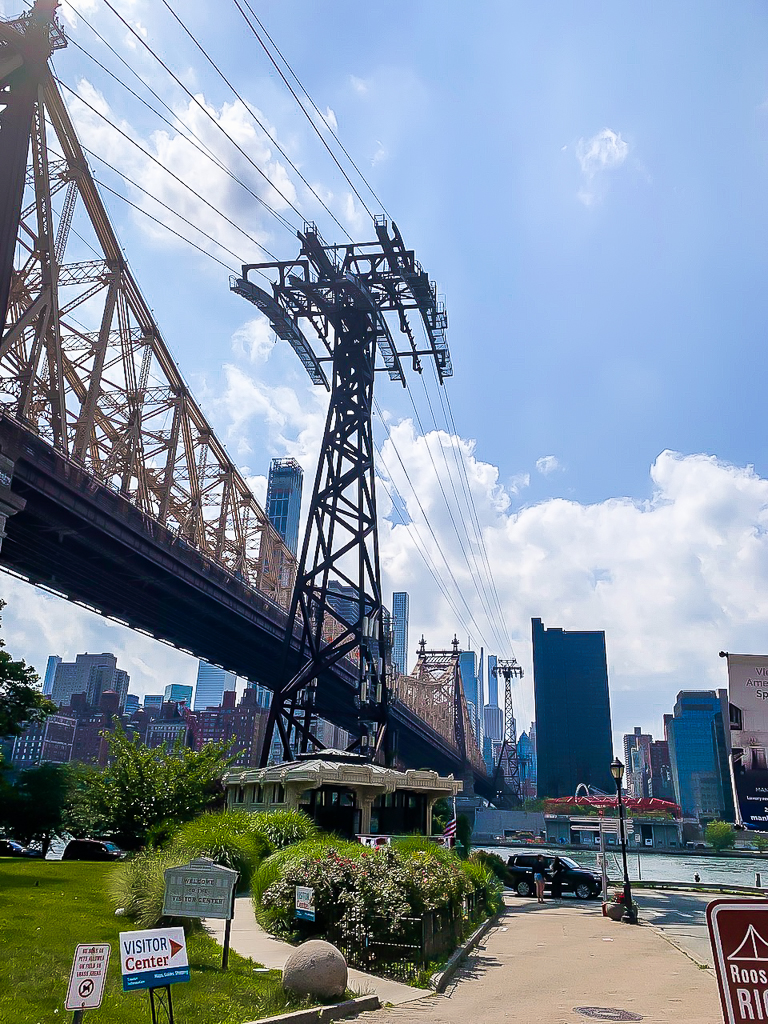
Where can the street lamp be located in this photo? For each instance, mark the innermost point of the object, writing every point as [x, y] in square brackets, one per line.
[617, 771]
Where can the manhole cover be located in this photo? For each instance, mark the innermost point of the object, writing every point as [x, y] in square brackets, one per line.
[606, 1013]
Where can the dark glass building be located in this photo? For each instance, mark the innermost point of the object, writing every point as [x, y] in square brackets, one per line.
[286, 478]
[698, 754]
[573, 711]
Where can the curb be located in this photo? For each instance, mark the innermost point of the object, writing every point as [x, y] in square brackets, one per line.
[440, 979]
[321, 1014]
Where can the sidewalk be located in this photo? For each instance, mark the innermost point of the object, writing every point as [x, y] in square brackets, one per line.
[542, 962]
[537, 965]
[249, 939]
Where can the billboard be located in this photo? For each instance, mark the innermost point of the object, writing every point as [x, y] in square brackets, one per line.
[748, 699]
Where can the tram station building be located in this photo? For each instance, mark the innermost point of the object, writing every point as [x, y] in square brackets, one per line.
[343, 793]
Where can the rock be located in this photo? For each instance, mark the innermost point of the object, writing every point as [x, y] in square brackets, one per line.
[316, 968]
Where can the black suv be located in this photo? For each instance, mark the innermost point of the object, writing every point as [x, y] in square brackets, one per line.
[520, 867]
[91, 849]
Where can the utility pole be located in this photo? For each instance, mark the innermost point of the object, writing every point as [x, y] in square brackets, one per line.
[346, 294]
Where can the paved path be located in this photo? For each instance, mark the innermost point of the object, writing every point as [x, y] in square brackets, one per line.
[249, 939]
[540, 964]
[543, 962]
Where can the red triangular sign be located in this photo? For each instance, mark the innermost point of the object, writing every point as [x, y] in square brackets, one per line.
[175, 947]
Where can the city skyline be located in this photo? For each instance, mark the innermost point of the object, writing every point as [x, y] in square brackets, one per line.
[623, 503]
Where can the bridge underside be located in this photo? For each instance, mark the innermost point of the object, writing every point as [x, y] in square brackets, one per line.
[90, 545]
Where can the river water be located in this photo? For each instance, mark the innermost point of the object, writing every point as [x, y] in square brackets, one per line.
[660, 867]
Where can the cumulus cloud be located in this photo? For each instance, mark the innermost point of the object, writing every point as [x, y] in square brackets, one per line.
[255, 340]
[605, 151]
[547, 464]
[672, 579]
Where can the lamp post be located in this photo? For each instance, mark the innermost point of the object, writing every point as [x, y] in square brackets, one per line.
[617, 771]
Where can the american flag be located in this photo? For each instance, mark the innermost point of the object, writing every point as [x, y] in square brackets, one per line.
[450, 829]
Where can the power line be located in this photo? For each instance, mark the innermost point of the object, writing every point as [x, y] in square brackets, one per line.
[250, 110]
[293, 93]
[197, 144]
[167, 170]
[426, 519]
[213, 120]
[296, 79]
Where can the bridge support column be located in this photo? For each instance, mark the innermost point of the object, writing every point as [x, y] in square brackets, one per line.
[10, 503]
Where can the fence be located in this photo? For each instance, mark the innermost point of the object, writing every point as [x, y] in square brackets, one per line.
[401, 949]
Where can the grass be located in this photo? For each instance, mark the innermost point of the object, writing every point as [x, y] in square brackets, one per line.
[48, 907]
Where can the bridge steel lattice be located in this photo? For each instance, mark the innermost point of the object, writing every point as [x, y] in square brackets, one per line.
[114, 491]
[82, 361]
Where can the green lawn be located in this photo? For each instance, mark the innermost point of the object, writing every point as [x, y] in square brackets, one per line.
[48, 907]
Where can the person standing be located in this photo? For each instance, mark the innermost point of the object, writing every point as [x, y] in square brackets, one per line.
[540, 877]
[558, 871]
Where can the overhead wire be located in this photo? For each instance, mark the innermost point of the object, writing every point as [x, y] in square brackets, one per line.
[165, 206]
[292, 91]
[448, 505]
[192, 138]
[213, 120]
[261, 125]
[451, 477]
[319, 113]
[380, 415]
[167, 170]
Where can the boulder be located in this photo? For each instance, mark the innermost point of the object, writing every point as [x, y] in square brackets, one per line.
[316, 968]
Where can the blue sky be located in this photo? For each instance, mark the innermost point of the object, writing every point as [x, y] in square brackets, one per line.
[587, 184]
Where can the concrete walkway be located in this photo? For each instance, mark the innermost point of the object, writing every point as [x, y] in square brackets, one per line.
[544, 963]
[539, 964]
[249, 939]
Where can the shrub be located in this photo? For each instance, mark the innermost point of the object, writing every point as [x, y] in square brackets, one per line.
[375, 888]
[227, 838]
[138, 885]
[283, 827]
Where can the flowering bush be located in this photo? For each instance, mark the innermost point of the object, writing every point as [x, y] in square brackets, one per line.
[376, 889]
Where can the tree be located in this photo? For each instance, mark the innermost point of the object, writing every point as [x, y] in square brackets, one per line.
[143, 787]
[35, 805]
[720, 834]
[761, 842]
[21, 700]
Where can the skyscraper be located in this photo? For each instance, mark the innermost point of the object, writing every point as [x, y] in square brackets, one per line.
[179, 694]
[400, 631]
[211, 684]
[471, 684]
[637, 758]
[50, 673]
[286, 478]
[699, 756]
[573, 712]
[91, 674]
[493, 682]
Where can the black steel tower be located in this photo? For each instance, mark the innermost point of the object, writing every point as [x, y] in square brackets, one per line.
[347, 294]
[508, 771]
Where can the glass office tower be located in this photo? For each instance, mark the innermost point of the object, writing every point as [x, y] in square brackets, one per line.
[698, 755]
[211, 684]
[573, 712]
[400, 631]
[286, 478]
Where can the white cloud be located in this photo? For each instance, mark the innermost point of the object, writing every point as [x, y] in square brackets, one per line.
[358, 84]
[547, 464]
[605, 151]
[330, 119]
[255, 340]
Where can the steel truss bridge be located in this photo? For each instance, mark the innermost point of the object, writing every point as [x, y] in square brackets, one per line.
[114, 491]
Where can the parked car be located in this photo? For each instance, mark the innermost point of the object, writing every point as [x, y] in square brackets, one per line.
[582, 883]
[91, 849]
[10, 848]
